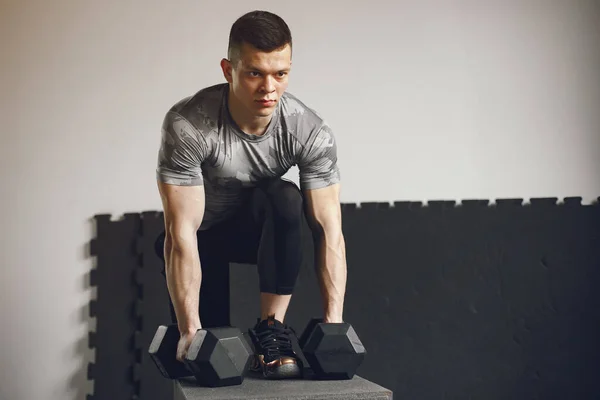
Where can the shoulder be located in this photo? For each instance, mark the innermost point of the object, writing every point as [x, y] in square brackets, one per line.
[202, 109]
[302, 121]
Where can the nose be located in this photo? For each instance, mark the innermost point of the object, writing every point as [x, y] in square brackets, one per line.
[269, 84]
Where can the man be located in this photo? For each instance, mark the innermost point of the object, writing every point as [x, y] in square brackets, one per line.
[223, 153]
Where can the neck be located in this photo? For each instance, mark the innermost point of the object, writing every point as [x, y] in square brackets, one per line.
[250, 124]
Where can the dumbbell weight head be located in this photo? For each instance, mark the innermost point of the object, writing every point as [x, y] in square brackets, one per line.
[219, 356]
[163, 351]
[216, 356]
[333, 350]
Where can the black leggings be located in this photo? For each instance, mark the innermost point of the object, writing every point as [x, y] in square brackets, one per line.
[266, 231]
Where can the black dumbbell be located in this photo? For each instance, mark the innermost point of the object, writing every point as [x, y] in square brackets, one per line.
[333, 350]
[216, 357]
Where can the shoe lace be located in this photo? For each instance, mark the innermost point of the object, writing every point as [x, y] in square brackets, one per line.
[275, 342]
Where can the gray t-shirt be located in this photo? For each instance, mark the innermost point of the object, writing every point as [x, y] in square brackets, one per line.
[202, 145]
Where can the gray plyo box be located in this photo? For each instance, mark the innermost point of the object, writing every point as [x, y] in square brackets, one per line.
[254, 388]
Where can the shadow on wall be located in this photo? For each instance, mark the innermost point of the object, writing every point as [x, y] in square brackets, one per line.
[79, 383]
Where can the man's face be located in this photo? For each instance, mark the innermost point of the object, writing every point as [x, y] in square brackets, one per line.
[259, 79]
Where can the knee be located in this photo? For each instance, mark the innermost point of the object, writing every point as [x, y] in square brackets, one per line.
[285, 201]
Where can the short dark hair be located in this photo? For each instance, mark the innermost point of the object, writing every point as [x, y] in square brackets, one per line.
[261, 29]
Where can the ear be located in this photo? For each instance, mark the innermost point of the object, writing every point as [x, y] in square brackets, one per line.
[227, 70]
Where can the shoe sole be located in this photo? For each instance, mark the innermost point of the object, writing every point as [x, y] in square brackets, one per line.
[286, 371]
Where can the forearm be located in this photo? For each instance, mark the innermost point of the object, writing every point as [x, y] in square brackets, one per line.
[330, 253]
[184, 276]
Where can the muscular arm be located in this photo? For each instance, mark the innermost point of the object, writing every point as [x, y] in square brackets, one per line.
[183, 210]
[324, 216]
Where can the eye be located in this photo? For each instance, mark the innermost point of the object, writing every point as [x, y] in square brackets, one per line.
[254, 73]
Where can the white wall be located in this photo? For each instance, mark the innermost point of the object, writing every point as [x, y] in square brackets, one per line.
[430, 100]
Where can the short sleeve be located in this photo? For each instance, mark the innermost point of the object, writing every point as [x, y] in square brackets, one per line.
[182, 151]
[318, 165]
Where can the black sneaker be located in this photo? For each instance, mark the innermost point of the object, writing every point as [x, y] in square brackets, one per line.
[274, 356]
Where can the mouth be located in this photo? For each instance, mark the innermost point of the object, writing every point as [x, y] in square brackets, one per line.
[266, 102]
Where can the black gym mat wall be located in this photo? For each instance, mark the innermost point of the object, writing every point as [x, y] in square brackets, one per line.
[469, 300]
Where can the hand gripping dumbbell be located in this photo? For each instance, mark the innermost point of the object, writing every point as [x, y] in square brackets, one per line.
[333, 350]
[216, 356]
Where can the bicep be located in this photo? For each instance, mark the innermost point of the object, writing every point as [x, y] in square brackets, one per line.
[183, 210]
